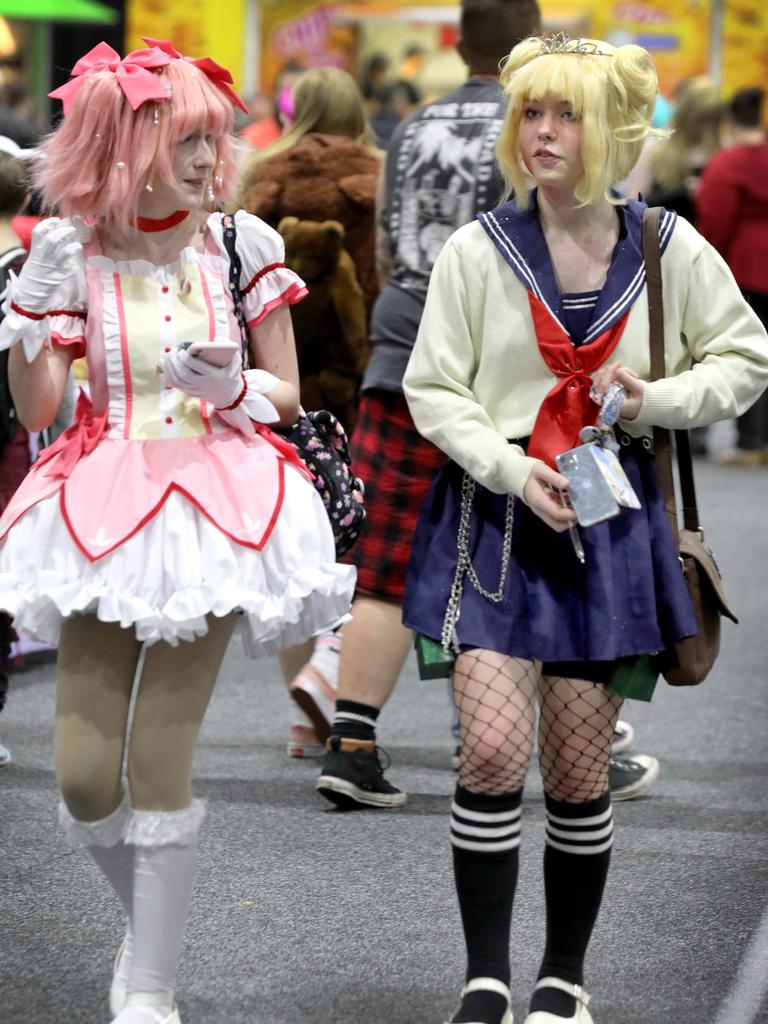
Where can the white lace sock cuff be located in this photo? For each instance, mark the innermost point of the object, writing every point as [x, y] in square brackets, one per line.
[165, 828]
[105, 832]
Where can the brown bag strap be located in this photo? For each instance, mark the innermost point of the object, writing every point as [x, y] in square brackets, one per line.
[662, 436]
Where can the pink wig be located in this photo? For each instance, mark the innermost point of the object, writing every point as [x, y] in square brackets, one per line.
[103, 154]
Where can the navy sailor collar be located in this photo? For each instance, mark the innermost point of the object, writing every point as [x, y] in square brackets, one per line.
[518, 236]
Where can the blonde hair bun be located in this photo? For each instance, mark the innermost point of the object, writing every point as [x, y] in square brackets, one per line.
[613, 90]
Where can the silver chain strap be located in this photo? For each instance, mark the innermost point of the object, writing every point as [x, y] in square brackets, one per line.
[464, 566]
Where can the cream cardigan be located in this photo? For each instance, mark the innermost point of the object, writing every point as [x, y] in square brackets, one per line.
[476, 377]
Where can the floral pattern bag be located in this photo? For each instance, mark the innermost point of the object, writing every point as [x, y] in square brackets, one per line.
[318, 437]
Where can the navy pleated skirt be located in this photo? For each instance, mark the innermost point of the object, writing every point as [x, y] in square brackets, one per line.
[628, 599]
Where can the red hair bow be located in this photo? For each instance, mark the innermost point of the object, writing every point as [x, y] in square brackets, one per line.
[218, 74]
[133, 72]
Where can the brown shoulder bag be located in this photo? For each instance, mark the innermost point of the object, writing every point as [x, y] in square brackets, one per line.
[690, 660]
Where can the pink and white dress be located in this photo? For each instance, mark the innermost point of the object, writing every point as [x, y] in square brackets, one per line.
[151, 511]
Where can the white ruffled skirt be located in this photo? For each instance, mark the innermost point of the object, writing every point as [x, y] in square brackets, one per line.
[177, 569]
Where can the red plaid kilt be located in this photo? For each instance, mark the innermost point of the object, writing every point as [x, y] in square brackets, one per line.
[397, 466]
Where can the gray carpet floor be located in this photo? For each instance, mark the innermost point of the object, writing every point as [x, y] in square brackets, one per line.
[304, 915]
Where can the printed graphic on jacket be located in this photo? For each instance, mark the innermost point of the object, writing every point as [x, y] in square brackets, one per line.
[444, 173]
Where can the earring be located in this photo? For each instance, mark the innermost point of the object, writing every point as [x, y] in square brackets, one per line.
[211, 194]
[156, 115]
[148, 187]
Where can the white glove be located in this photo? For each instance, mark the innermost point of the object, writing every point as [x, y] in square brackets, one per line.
[53, 278]
[218, 385]
[56, 252]
[222, 386]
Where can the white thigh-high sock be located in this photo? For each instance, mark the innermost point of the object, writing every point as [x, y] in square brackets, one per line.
[164, 870]
[105, 841]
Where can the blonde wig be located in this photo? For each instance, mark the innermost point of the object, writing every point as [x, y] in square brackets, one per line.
[612, 89]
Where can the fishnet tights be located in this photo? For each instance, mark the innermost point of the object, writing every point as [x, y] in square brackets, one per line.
[496, 699]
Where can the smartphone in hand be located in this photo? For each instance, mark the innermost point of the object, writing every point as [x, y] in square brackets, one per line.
[217, 352]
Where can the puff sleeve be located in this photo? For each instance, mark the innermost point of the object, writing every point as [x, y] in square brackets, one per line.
[62, 324]
[265, 282]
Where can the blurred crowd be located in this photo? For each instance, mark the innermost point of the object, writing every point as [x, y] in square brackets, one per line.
[312, 152]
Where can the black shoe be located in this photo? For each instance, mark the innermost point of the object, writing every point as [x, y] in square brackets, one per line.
[628, 778]
[353, 776]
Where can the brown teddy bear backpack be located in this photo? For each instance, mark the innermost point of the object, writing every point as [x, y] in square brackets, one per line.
[318, 437]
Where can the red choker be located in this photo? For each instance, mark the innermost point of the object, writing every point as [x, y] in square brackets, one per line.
[163, 224]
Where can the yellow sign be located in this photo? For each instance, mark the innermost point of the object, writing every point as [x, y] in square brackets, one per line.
[745, 45]
[675, 32]
[302, 32]
[197, 28]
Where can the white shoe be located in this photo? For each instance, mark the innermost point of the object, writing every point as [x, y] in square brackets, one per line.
[5, 755]
[142, 1011]
[623, 737]
[487, 985]
[316, 696]
[118, 990]
[582, 1015]
[628, 777]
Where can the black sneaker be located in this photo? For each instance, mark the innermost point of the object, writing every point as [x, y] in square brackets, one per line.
[353, 776]
[628, 778]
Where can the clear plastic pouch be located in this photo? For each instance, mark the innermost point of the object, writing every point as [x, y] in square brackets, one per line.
[599, 487]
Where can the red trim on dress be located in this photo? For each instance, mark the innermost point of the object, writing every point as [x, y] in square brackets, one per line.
[51, 312]
[256, 546]
[205, 417]
[19, 515]
[291, 295]
[259, 274]
[124, 354]
[208, 306]
[78, 341]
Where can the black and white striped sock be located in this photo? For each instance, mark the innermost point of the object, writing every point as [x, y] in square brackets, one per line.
[354, 720]
[485, 836]
[576, 860]
[485, 824]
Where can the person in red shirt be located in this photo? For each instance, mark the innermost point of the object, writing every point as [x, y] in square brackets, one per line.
[732, 214]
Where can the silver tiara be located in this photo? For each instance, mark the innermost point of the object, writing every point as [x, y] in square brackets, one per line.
[561, 42]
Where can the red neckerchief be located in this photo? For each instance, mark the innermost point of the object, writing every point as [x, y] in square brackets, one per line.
[567, 407]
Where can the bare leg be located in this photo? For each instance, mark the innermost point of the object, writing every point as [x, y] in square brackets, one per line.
[373, 652]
